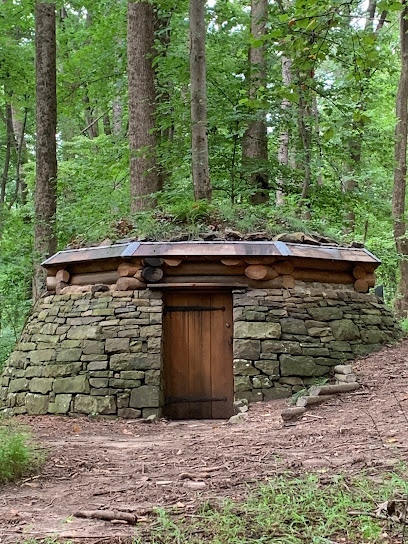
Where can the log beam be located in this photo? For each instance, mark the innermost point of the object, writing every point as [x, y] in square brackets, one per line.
[63, 275]
[323, 276]
[173, 262]
[108, 278]
[361, 286]
[128, 269]
[129, 284]
[260, 272]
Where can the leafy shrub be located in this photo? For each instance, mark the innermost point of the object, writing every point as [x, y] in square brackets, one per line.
[18, 456]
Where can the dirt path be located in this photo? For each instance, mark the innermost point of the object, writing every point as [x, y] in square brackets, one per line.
[135, 466]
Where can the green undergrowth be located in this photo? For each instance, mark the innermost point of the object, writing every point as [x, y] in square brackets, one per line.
[19, 455]
[289, 510]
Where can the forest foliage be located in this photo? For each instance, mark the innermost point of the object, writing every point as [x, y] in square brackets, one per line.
[338, 111]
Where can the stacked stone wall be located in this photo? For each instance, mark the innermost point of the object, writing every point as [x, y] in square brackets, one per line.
[101, 353]
[88, 353]
[285, 339]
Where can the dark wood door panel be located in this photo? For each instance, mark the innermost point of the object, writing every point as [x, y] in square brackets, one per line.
[198, 355]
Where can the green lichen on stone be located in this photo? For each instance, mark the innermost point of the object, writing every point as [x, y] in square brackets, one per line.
[147, 396]
[36, 404]
[345, 329]
[72, 384]
[260, 331]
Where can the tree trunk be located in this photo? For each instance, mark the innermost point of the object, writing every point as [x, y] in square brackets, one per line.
[45, 241]
[162, 29]
[255, 142]
[400, 171]
[283, 152]
[142, 107]
[198, 83]
[92, 127]
[7, 158]
[19, 127]
[306, 138]
[107, 125]
[117, 111]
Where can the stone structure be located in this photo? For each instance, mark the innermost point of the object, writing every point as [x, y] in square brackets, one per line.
[285, 339]
[88, 354]
[101, 353]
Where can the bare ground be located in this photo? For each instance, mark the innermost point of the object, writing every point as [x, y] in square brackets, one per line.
[132, 466]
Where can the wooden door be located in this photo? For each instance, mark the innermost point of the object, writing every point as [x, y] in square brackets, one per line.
[198, 370]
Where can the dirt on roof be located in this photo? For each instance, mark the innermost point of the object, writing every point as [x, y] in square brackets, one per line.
[132, 466]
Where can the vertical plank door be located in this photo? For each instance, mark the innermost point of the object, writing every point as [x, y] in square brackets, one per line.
[198, 371]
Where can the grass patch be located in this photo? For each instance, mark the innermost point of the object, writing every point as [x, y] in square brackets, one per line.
[18, 455]
[287, 510]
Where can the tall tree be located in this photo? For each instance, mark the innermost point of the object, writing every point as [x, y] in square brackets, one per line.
[142, 105]
[198, 84]
[283, 151]
[255, 142]
[45, 241]
[355, 144]
[400, 170]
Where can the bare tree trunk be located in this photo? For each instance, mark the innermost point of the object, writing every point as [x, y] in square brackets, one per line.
[90, 119]
[9, 144]
[45, 241]
[19, 127]
[400, 171]
[117, 111]
[255, 142]
[283, 152]
[306, 137]
[198, 83]
[107, 125]
[317, 136]
[117, 104]
[162, 28]
[142, 106]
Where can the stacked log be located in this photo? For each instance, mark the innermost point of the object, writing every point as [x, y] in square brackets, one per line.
[364, 278]
[128, 269]
[262, 272]
[137, 275]
[323, 276]
[129, 284]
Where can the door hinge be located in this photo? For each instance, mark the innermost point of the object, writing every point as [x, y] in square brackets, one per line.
[168, 309]
[174, 400]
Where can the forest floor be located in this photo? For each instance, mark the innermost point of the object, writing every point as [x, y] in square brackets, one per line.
[132, 466]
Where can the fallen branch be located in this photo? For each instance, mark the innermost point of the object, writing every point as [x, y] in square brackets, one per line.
[316, 390]
[308, 401]
[107, 515]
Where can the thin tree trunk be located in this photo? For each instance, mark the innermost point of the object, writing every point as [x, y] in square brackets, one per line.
[198, 83]
[283, 151]
[117, 103]
[142, 107]
[19, 127]
[317, 136]
[7, 158]
[255, 141]
[90, 119]
[305, 134]
[400, 171]
[106, 125]
[162, 29]
[117, 111]
[45, 241]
